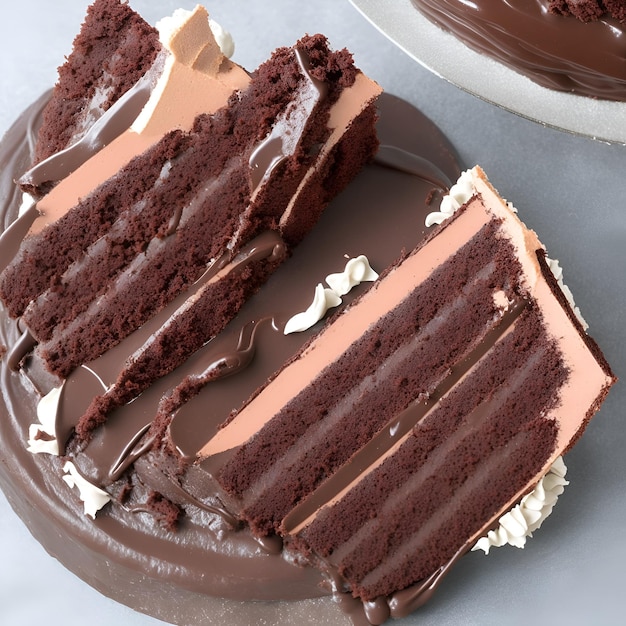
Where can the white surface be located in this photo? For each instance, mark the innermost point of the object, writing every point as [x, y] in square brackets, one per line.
[569, 188]
[448, 57]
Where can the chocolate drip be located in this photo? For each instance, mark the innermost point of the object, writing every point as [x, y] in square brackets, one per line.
[20, 350]
[404, 602]
[218, 361]
[397, 605]
[135, 449]
[404, 161]
[267, 156]
[222, 364]
[16, 155]
[12, 237]
[93, 378]
[18, 146]
[108, 127]
[400, 425]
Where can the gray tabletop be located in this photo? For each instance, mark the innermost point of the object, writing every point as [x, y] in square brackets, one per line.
[568, 188]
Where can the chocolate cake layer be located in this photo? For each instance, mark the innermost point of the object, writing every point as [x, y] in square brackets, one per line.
[556, 51]
[42, 260]
[202, 203]
[113, 51]
[589, 10]
[465, 459]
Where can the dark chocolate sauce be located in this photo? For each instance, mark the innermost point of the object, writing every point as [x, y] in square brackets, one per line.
[403, 603]
[404, 161]
[12, 237]
[20, 350]
[99, 376]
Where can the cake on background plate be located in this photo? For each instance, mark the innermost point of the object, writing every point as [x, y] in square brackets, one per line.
[160, 502]
[577, 47]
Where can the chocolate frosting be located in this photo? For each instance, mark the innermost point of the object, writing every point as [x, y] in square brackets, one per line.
[555, 51]
[380, 214]
[110, 125]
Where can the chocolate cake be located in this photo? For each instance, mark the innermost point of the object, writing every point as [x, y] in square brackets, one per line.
[590, 10]
[577, 47]
[270, 161]
[426, 402]
[115, 49]
[117, 461]
[423, 412]
[218, 561]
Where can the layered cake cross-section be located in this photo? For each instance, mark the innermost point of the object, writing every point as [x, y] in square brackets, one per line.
[189, 219]
[190, 75]
[114, 51]
[423, 412]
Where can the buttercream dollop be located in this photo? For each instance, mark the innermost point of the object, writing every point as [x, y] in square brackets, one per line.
[93, 498]
[323, 300]
[357, 270]
[516, 526]
[46, 414]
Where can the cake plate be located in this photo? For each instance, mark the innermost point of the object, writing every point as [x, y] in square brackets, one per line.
[446, 56]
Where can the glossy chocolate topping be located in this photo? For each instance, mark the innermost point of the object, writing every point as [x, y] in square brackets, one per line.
[559, 52]
[110, 125]
[380, 214]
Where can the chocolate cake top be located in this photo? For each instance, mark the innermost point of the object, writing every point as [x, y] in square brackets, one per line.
[589, 10]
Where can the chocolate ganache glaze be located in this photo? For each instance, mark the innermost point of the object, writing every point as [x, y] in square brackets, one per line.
[182, 572]
[558, 52]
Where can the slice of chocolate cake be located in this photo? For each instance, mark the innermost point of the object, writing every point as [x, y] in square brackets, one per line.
[428, 408]
[271, 160]
[192, 64]
[114, 51]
